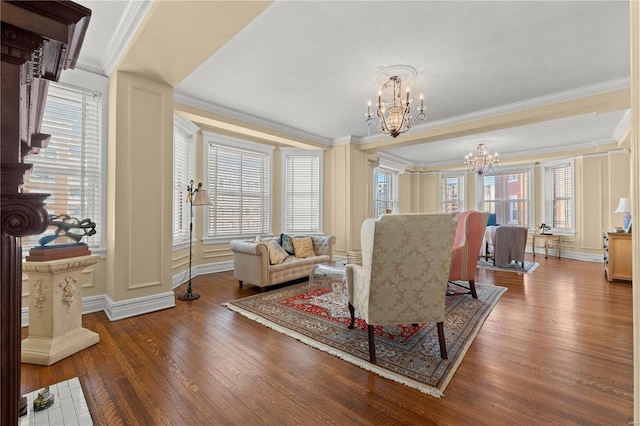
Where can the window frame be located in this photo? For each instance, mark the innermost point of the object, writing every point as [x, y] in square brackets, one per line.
[395, 201]
[547, 172]
[190, 130]
[299, 152]
[216, 139]
[529, 170]
[460, 176]
[77, 79]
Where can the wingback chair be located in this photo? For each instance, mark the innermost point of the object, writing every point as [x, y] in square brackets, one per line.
[466, 247]
[403, 278]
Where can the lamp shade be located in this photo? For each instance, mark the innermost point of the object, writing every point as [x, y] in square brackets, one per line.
[201, 198]
[624, 206]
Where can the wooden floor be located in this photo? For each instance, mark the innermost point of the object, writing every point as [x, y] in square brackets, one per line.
[557, 349]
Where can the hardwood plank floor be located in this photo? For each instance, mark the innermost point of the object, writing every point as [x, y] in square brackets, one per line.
[557, 349]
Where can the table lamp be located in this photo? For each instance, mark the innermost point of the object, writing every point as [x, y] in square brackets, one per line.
[625, 207]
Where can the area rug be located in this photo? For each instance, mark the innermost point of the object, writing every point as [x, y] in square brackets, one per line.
[405, 353]
[529, 267]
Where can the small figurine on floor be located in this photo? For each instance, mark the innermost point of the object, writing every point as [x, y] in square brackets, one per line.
[44, 400]
[544, 229]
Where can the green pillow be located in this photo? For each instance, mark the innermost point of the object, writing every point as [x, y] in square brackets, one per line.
[287, 243]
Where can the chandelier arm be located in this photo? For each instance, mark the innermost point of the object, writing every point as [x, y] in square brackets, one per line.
[383, 126]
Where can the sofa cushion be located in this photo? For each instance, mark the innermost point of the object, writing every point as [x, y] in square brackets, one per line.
[303, 247]
[287, 243]
[276, 253]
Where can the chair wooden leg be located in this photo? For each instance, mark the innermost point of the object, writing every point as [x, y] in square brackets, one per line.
[443, 344]
[472, 287]
[352, 312]
[372, 345]
[240, 282]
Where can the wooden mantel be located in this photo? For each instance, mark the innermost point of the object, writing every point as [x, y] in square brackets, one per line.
[39, 40]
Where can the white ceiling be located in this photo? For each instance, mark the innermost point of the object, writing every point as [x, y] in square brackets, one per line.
[309, 67]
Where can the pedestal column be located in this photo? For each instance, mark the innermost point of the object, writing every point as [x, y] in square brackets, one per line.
[55, 310]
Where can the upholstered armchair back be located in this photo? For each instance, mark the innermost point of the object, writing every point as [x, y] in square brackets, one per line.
[406, 261]
[470, 230]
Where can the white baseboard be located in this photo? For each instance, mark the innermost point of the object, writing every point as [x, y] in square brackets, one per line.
[210, 268]
[584, 257]
[142, 305]
[119, 310]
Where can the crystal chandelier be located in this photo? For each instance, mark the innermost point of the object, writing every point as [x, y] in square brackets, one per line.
[393, 115]
[481, 162]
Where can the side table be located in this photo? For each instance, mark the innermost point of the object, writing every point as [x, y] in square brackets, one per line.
[329, 275]
[546, 238]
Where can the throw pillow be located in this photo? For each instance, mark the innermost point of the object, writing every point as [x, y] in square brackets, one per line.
[277, 255]
[303, 247]
[287, 243]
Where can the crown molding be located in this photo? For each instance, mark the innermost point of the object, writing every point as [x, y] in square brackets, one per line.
[578, 146]
[246, 118]
[595, 89]
[93, 68]
[623, 126]
[127, 27]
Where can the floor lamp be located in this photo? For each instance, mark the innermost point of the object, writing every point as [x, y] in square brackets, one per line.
[195, 197]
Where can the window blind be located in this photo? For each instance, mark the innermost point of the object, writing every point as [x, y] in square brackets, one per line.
[70, 167]
[302, 193]
[238, 184]
[183, 158]
[560, 187]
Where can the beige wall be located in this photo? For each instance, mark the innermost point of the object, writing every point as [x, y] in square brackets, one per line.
[140, 188]
[136, 271]
[346, 188]
[600, 180]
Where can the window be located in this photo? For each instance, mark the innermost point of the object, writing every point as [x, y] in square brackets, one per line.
[559, 209]
[183, 172]
[451, 193]
[507, 195]
[71, 167]
[302, 191]
[238, 182]
[385, 193]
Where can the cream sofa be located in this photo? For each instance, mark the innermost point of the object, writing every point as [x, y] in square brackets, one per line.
[251, 261]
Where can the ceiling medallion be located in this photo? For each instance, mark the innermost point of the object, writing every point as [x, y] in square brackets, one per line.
[393, 110]
[481, 161]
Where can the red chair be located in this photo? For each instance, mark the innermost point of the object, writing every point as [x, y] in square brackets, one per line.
[466, 247]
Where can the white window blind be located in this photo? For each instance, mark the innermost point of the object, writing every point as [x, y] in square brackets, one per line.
[183, 173]
[238, 184]
[70, 168]
[385, 196]
[559, 198]
[451, 193]
[302, 193]
[507, 195]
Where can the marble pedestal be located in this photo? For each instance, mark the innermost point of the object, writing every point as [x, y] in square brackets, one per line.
[55, 310]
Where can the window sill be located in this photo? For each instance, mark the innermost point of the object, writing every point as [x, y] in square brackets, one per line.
[226, 240]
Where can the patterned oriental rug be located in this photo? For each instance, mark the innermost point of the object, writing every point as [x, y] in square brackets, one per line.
[529, 267]
[405, 354]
